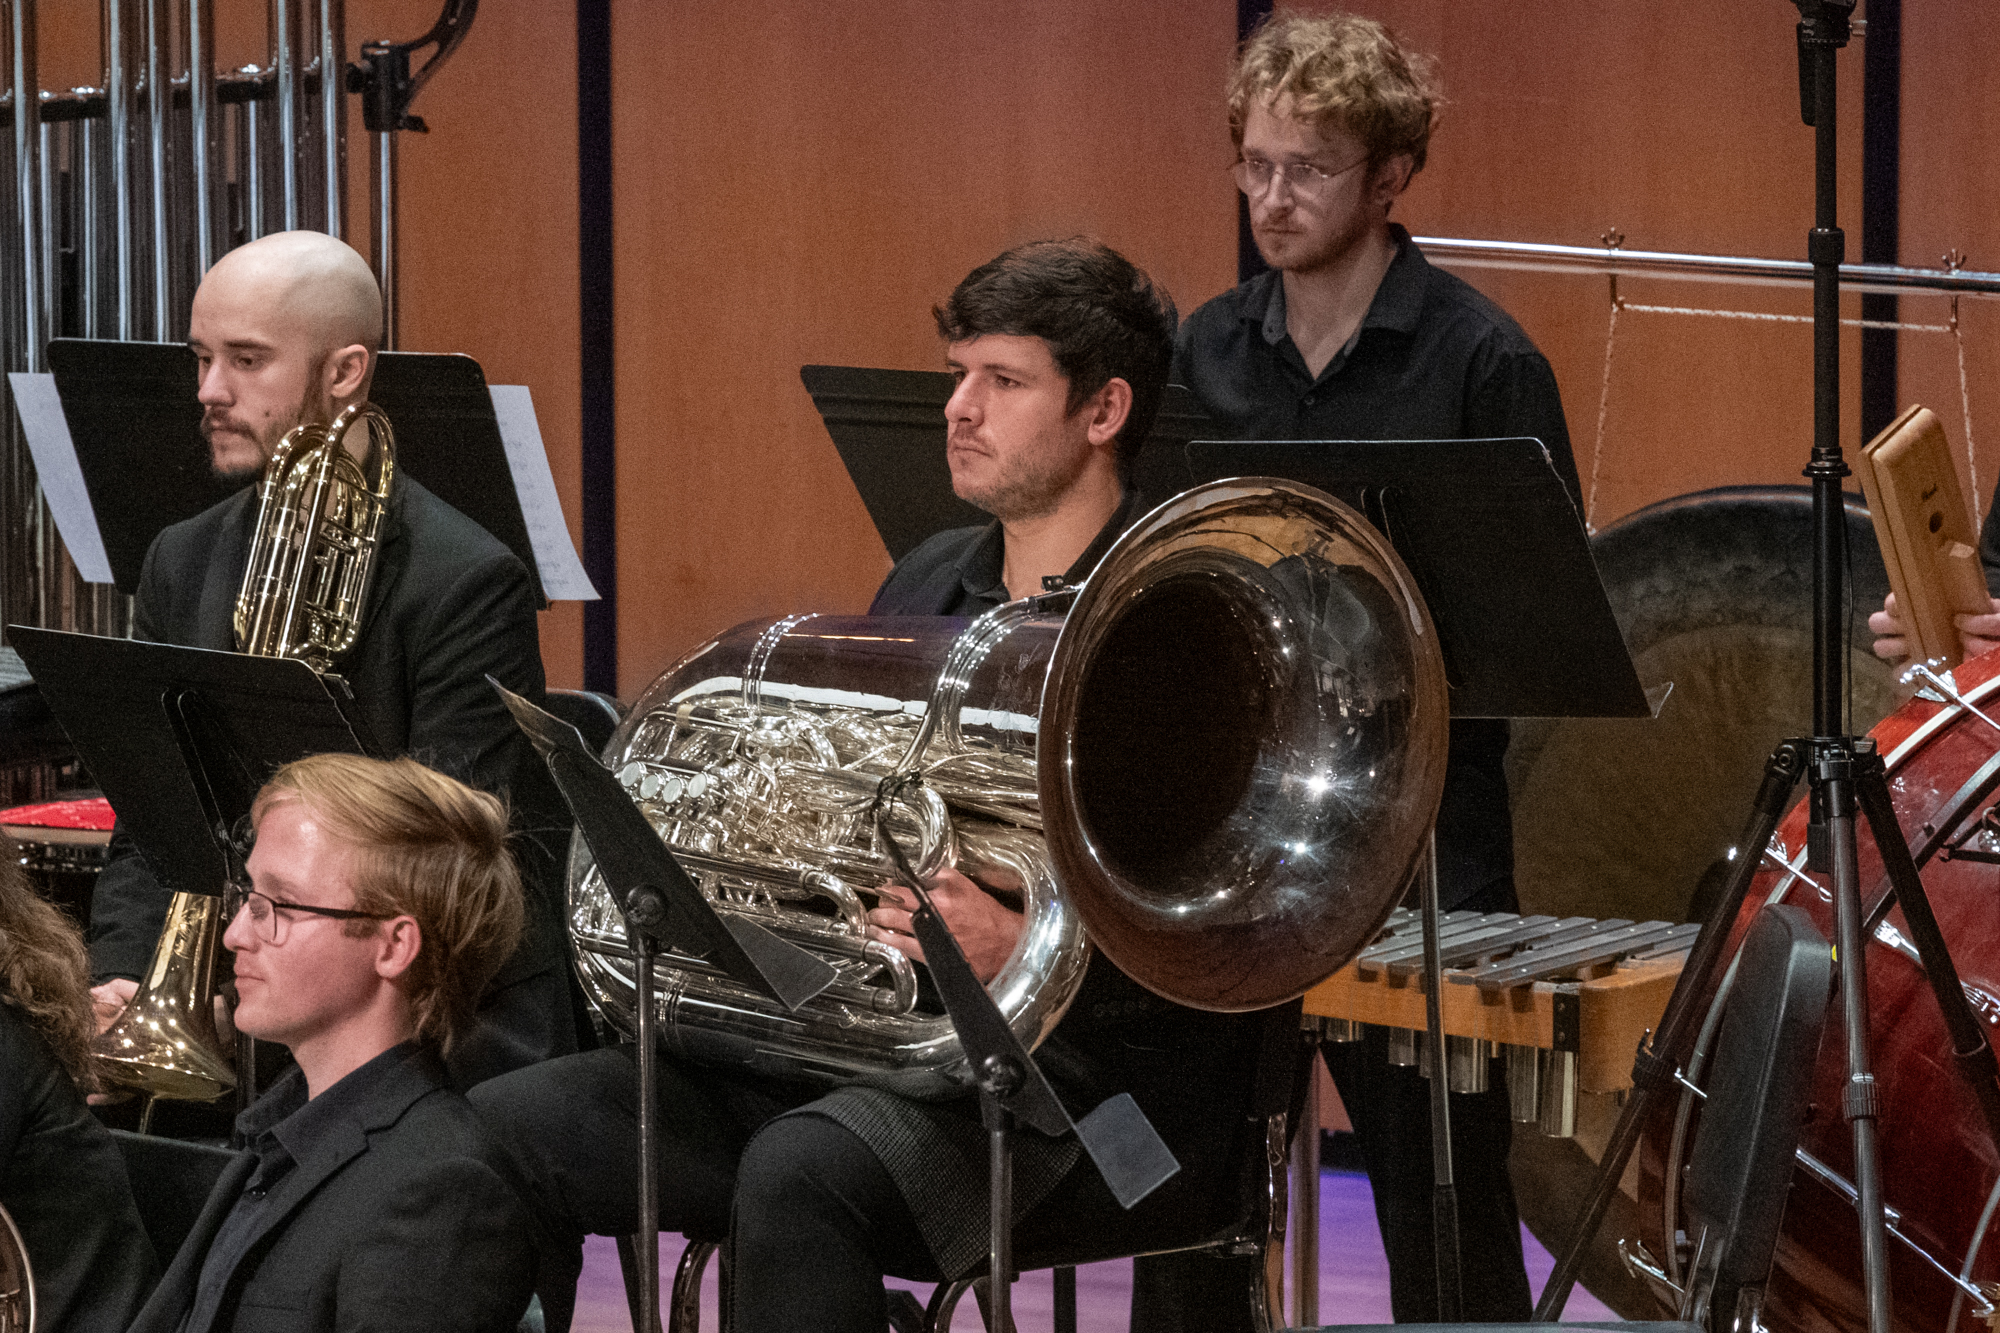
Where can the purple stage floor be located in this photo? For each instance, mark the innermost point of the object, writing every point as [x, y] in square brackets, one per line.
[1353, 1278]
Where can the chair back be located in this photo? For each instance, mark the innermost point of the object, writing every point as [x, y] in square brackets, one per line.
[171, 1180]
[1741, 1166]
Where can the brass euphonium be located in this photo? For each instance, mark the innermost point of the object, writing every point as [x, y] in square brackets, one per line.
[305, 586]
[1221, 767]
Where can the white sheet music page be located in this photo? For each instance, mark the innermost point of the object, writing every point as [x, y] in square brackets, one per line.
[42, 421]
[563, 578]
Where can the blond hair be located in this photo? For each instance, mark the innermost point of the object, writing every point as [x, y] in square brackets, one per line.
[1340, 70]
[429, 847]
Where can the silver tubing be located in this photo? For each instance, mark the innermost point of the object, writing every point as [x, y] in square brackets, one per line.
[159, 101]
[204, 124]
[333, 106]
[285, 56]
[1890, 279]
[20, 37]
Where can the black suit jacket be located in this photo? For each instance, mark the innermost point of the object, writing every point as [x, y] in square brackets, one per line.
[449, 605]
[63, 1181]
[406, 1216]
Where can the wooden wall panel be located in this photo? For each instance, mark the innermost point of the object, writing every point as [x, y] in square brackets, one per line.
[1568, 120]
[800, 184]
[489, 229]
[1951, 201]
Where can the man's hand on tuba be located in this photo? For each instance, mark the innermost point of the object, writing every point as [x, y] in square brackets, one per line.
[985, 928]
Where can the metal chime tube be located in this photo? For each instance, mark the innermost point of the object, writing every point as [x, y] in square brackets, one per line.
[27, 181]
[287, 62]
[332, 76]
[385, 149]
[198, 23]
[159, 100]
[119, 81]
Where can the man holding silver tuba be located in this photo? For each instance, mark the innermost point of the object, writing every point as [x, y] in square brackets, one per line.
[1060, 350]
[285, 331]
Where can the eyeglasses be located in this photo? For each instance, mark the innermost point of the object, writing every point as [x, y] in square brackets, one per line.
[1254, 176]
[267, 917]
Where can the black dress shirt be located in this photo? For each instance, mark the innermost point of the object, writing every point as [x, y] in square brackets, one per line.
[282, 1127]
[1432, 360]
[958, 572]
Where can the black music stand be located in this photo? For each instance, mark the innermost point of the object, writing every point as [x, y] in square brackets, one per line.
[889, 428]
[664, 909]
[180, 740]
[137, 428]
[1499, 554]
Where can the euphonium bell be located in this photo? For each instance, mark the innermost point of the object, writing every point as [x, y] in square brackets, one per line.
[305, 586]
[165, 1043]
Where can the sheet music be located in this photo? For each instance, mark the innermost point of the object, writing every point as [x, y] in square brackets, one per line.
[563, 577]
[61, 477]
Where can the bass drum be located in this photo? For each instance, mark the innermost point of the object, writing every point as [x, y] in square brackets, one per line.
[1626, 818]
[1940, 1169]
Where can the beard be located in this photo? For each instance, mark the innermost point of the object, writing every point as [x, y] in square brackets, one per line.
[1026, 486]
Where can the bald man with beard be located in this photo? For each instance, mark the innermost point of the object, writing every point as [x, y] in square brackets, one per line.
[285, 331]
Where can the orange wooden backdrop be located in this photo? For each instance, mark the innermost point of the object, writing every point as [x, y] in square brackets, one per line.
[800, 183]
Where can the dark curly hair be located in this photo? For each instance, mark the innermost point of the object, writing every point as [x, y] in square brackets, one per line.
[44, 971]
[1101, 316]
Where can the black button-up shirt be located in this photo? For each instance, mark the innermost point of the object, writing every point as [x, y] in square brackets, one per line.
[1432, 360]
[959, 572]
[280, 1128]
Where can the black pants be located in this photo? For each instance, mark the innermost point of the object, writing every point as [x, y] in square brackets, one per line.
[1391, 1111]
[817, 1220]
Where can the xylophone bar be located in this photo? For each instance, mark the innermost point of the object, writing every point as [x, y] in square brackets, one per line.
[1568, 999]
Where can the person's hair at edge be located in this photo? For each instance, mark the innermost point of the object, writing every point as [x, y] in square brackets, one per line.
[427, 846]
[1343, 70]
[44, 972]
[1101, 316]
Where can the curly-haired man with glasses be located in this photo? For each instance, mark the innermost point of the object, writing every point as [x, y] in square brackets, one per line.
[382, 899]
[1352, 335]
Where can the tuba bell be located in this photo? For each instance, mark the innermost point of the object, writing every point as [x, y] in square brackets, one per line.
[305, 586]
[1221, 767]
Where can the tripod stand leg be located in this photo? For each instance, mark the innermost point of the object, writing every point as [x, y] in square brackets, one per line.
[1444, 1199]
[1859, 1102]
[1653, 1065]
[1970, 1048]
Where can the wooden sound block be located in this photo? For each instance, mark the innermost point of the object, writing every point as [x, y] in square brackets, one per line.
[1925, 531]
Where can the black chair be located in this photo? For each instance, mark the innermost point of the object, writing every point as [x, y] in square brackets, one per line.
[1740, 1169]
[1247, 1217]
[171, 1180]
[595, 715]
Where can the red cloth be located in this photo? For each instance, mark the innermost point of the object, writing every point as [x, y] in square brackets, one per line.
[94, 813]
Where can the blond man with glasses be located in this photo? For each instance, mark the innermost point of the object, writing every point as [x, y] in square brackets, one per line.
[382, 898]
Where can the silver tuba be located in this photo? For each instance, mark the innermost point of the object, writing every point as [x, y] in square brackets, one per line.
[1221, 767]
